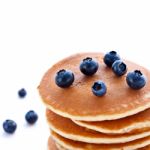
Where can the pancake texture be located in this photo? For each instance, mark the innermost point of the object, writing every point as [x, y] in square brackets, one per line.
[74, 145]
[68, 129]
[60, 147]
[145, 148]
[125, 125]
[79, 103]
[51, 144]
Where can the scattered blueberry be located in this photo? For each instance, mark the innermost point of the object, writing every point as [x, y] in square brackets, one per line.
[110, 58]
[99, 88]
[119, 67]
[31, 117]
[88, 66]
[9, 126]
[136, 79]
[22, 93]
[64, 78]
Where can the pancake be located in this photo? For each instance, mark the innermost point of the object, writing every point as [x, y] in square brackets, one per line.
[79, 103]
[60, 147]
[125, 125]
[51, 144]
[68, 129]
[145, 148]
[74, 145]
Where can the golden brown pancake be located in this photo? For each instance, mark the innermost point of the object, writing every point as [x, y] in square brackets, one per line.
[74, 145]
[68, 129]
[54, 146]
[60, 147]
[120, 126]
[79, 103]
[51, 144]
[145, 148]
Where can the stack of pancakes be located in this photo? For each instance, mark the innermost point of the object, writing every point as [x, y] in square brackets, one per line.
[79, 120]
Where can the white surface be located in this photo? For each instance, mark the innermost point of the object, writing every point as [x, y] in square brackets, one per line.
[35, 34]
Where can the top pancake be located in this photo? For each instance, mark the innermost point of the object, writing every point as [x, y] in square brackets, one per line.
[79, 103]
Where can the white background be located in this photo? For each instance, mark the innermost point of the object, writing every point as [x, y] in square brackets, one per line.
[35, 34]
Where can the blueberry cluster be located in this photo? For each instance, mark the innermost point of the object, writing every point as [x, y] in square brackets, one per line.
[31, 117]
[89, 66]
[136, 80]
[112, 60]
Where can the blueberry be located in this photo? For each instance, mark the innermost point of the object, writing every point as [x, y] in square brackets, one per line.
[22, 93]
[9, 126]
[88, 66]
[64, 78]
[31, 117]
[99, 88]
[136, 79]
[119, 67]
[110, 58]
